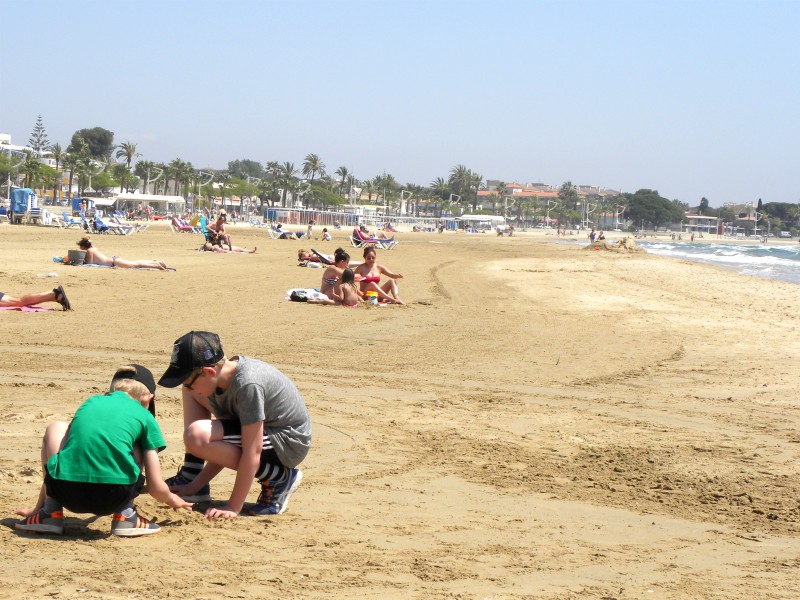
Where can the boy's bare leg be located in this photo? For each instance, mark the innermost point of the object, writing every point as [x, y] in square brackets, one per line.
[52, 442]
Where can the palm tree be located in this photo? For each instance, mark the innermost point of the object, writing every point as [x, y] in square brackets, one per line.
[459, 180]
[351, 183]
[223, 179]
[501, 191]
[58, 155]
[128, 150]
[143, 169]
[287, 173]
[177, 168]
[474, 181]
[311, 166]
[70, 162]
[31, 167]
[441, 191]
[368, 185]
[273, 169]
[342, 173]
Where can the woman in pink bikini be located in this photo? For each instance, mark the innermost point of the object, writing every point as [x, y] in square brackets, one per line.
[368, 275]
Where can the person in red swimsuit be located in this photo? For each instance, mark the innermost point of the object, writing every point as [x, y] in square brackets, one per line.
[368, 275]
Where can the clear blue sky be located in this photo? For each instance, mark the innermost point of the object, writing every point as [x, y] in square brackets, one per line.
[692, 98]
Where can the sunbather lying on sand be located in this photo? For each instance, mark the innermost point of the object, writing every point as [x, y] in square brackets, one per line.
[95, 257]
[209, 247]
[55, 295]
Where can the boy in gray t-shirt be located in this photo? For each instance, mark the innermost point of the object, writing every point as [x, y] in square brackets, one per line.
[261, 427]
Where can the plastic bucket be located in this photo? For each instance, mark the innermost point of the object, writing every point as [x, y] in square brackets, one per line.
[372, 297]
[76, 257]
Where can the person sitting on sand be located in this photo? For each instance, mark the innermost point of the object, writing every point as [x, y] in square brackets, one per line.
[344, 293]
[369, 276]
[218, 227]
[95, 257]
[55, 295]
[334, 272]
[99, 462]
[325, 235]
[209, 247]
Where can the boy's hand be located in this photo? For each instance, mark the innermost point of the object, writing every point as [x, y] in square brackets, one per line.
[177, 503]
[212, 514]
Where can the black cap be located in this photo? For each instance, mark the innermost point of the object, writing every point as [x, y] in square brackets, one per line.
[194, 350]
[143, 376]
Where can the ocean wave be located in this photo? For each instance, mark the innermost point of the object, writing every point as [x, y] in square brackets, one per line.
[759, 260]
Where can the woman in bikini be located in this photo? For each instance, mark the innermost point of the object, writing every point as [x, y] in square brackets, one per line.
[332, 274]
[368, 275]
[95, 257]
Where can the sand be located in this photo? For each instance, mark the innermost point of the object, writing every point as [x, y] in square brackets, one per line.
[537, 422]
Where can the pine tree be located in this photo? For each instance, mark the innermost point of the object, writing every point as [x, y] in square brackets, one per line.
[39, 141]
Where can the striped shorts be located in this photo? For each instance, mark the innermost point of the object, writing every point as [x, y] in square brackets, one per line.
[270, 467]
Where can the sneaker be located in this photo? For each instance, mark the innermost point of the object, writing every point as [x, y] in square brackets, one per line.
[61, 298]
[43, 522]
[132, 526]
[274, 497]
[201, 495]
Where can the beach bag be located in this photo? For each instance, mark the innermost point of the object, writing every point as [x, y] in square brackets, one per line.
[298, 296]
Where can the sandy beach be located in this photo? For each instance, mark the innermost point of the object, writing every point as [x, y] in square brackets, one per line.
[538, 421]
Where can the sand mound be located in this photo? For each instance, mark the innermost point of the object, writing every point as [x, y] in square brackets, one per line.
[626, 244]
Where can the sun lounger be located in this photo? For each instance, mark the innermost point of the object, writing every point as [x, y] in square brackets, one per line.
[359, 240]
[69, 221]
[280, 234]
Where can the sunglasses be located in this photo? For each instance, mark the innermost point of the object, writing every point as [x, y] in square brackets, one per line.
[188, 385]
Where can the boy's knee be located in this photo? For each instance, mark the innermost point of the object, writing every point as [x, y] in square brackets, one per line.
[196, 435]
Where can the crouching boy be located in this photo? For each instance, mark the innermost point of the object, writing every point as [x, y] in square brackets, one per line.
[262, 429]
[94, 464]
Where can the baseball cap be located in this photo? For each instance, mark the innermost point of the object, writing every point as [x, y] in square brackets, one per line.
[143, 376]
[191, 351]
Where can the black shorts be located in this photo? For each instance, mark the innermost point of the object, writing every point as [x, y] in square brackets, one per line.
[92, 498]
[232, 434]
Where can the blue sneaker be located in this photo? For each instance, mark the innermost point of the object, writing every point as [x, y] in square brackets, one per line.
[201, 495]
[274, 497]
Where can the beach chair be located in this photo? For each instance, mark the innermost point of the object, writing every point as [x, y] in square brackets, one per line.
[359, 240]
[256, 222]
[180, 226]
[276, 234]
[101, 226]
[69, 221]
[4, 218]
[33, 216]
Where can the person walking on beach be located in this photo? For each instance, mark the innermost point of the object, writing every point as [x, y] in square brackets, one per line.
[55, 295]
[94, 464]
[261, 428]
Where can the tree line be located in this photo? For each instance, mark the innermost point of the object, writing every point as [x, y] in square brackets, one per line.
[93, 159]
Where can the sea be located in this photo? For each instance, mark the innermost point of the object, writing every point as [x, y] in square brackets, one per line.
[770, 261]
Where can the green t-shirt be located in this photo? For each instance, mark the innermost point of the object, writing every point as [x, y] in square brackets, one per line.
[100, 441]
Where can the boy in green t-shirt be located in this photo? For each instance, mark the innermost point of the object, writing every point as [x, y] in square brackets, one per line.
[94, 464]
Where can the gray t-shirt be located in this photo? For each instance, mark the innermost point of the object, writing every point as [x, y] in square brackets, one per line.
[260, 392]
